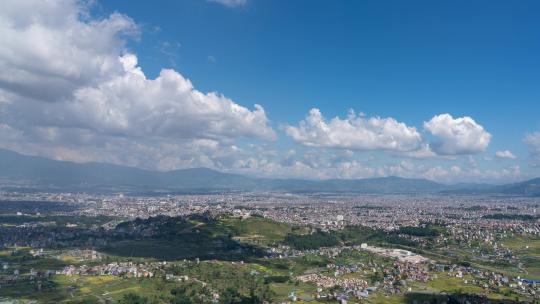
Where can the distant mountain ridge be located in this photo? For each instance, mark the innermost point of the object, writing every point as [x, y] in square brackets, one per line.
[67, 175]
[526, 188]
[44, 171]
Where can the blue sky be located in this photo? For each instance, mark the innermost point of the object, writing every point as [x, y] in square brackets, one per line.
[408, 61]
[405, 59]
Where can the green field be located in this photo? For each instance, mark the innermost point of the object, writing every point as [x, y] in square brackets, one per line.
[259, 230]
[79, 289]
[530, 257]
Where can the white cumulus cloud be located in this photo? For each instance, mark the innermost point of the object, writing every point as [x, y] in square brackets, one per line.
[50, 48]
[68, 82]
[354, 132]
[457, 135]
[167, 106]
[505, 154]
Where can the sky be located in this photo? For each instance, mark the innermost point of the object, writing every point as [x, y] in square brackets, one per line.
[443, 90]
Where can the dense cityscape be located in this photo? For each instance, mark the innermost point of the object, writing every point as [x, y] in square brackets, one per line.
[338, 248]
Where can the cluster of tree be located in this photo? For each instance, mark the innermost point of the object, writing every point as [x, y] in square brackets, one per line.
[455, 298]
[166, 225]
[133, 298]
[276, 279]
[201, 236]
[426, 231]
[242, 278]
[314, 240]
[519, 217]
[197, 293]
[356, 235]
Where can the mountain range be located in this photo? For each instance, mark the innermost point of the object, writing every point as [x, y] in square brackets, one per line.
[44, 173]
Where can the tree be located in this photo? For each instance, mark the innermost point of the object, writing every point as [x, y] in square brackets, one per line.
[180, 296]
[133, 298]
[230, 295]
